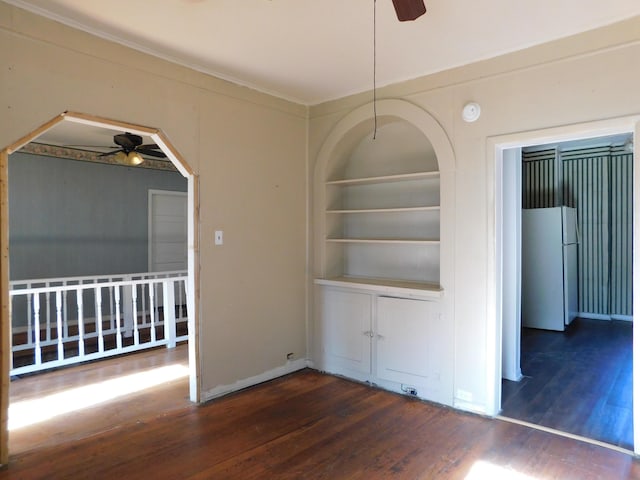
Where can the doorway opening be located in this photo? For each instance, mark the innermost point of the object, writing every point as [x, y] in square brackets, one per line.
[512, 341]
[576, 290]
[75, 123]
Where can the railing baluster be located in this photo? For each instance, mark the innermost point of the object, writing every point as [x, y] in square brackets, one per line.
[59, 324]
[36, 331]
[65, 313]
[116, 291]
[98, 294]
[80, 323]
[169, 311]
[48, 299]
[134, 314]
[152, 313]
[29, 316]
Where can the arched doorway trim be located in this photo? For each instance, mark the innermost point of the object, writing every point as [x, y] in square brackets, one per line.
[192, 288]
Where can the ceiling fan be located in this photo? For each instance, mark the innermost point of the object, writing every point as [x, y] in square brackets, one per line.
[131, 148]
[408, 10]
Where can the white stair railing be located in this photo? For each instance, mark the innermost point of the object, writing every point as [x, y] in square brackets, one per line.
[61, 321]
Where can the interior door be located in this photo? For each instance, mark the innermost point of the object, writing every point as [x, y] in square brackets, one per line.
[167, 231]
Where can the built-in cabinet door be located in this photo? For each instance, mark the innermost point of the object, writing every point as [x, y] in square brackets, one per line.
[346, 331]
[403, 337]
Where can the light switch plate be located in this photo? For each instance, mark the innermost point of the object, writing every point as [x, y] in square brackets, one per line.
[218, 237]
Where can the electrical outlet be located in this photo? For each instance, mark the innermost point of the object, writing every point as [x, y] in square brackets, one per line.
[409, 390]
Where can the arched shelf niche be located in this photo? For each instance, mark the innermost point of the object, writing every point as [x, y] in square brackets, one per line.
[381, 206]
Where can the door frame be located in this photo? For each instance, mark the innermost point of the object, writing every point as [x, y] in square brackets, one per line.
[496, 148]
[193, 291]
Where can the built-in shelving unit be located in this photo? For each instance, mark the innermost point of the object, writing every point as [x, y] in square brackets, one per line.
[382, 212]
[380, 310]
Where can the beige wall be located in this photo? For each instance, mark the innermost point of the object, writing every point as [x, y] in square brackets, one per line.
[586, 78]
[248, 149]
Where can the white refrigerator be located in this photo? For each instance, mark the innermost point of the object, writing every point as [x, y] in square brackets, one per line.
[549, 267]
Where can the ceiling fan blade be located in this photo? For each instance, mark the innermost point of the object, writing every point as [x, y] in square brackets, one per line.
[150, 145]
[408, 10]
[151, 152]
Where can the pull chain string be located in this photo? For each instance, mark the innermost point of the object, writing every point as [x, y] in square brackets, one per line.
[375, 111]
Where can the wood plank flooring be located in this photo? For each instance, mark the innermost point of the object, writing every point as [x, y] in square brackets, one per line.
[314, 426]
[578, 381]
[142, 405]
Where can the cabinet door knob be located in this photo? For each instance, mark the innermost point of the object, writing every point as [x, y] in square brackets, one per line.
[368, 333]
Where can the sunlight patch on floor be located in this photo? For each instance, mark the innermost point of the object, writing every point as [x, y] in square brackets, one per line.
[482, 470]
[30, 412]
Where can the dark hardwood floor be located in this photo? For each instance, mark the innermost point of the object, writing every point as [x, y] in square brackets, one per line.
[578, 381]
[35, 389]
[314, 426]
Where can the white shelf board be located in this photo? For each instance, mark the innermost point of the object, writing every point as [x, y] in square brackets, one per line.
[387, 210]
[416, 241]
[385, 286]
[386, 178]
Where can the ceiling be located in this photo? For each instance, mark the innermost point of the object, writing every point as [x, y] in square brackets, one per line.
[311, 51]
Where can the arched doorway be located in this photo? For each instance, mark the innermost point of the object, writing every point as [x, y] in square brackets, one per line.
[192, 294]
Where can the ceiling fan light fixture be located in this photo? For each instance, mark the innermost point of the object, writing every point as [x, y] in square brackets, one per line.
[120, 157]
[134, 159]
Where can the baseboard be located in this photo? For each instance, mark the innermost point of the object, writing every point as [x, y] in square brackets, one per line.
[594, 316]
[469, 406]
[517, 378]
[600, 316]
[285, 369]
